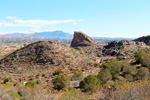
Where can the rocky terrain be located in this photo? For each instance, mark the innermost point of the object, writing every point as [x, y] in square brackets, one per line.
[124, 49]
[145, 39]
[47, 56]
[36, 63]
[44, 57]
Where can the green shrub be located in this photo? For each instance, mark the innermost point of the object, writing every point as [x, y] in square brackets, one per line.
[129, 77]
[90, 84]
[78, 75]
[61, 81]
[138, 55]
[142, 57]
[15, 96]
[31, 84]
[57, 72]
[105, 65]
[143, 73]
[146, 60]
[71, 88]
[120, 78]
[113, 66]
[104, 75]
[132, 70]
[7, 80]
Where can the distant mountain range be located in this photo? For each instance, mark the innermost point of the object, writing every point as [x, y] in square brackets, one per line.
[62, 35]
[53, 34]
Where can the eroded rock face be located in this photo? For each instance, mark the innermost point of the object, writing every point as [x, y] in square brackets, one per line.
[81, 39]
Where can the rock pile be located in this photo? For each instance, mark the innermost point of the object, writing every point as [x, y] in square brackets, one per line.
[123, 49]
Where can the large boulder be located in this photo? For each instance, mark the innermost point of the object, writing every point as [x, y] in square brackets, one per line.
[81, 39]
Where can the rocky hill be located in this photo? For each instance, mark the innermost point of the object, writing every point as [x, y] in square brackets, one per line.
[44, 57]
[124, 49]
[145, 39]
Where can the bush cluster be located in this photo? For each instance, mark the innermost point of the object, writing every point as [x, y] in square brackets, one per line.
[117, 72]
[142, 57]
[90, 84]
[111, 73]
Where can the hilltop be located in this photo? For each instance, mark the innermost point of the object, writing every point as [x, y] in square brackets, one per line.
[145, 39]
[44, 57]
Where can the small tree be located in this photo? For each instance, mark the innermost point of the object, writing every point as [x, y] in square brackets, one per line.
[104, 75]
[138, 55]
[90, 84]
[61, 81]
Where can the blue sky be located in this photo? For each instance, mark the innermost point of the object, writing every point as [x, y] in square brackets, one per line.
[102, 18]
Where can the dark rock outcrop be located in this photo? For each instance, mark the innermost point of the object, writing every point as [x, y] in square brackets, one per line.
[123, 49]
[81, 39]
[145, 39]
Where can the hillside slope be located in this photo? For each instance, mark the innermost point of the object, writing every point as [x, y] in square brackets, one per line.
[44, 56]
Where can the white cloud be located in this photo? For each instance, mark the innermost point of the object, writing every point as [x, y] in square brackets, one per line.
[35, 23]
[9, 17]
[75, 24]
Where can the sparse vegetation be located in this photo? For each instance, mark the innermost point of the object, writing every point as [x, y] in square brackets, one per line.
[115, 79]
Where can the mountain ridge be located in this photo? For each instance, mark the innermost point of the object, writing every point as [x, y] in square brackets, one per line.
[64, 35]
